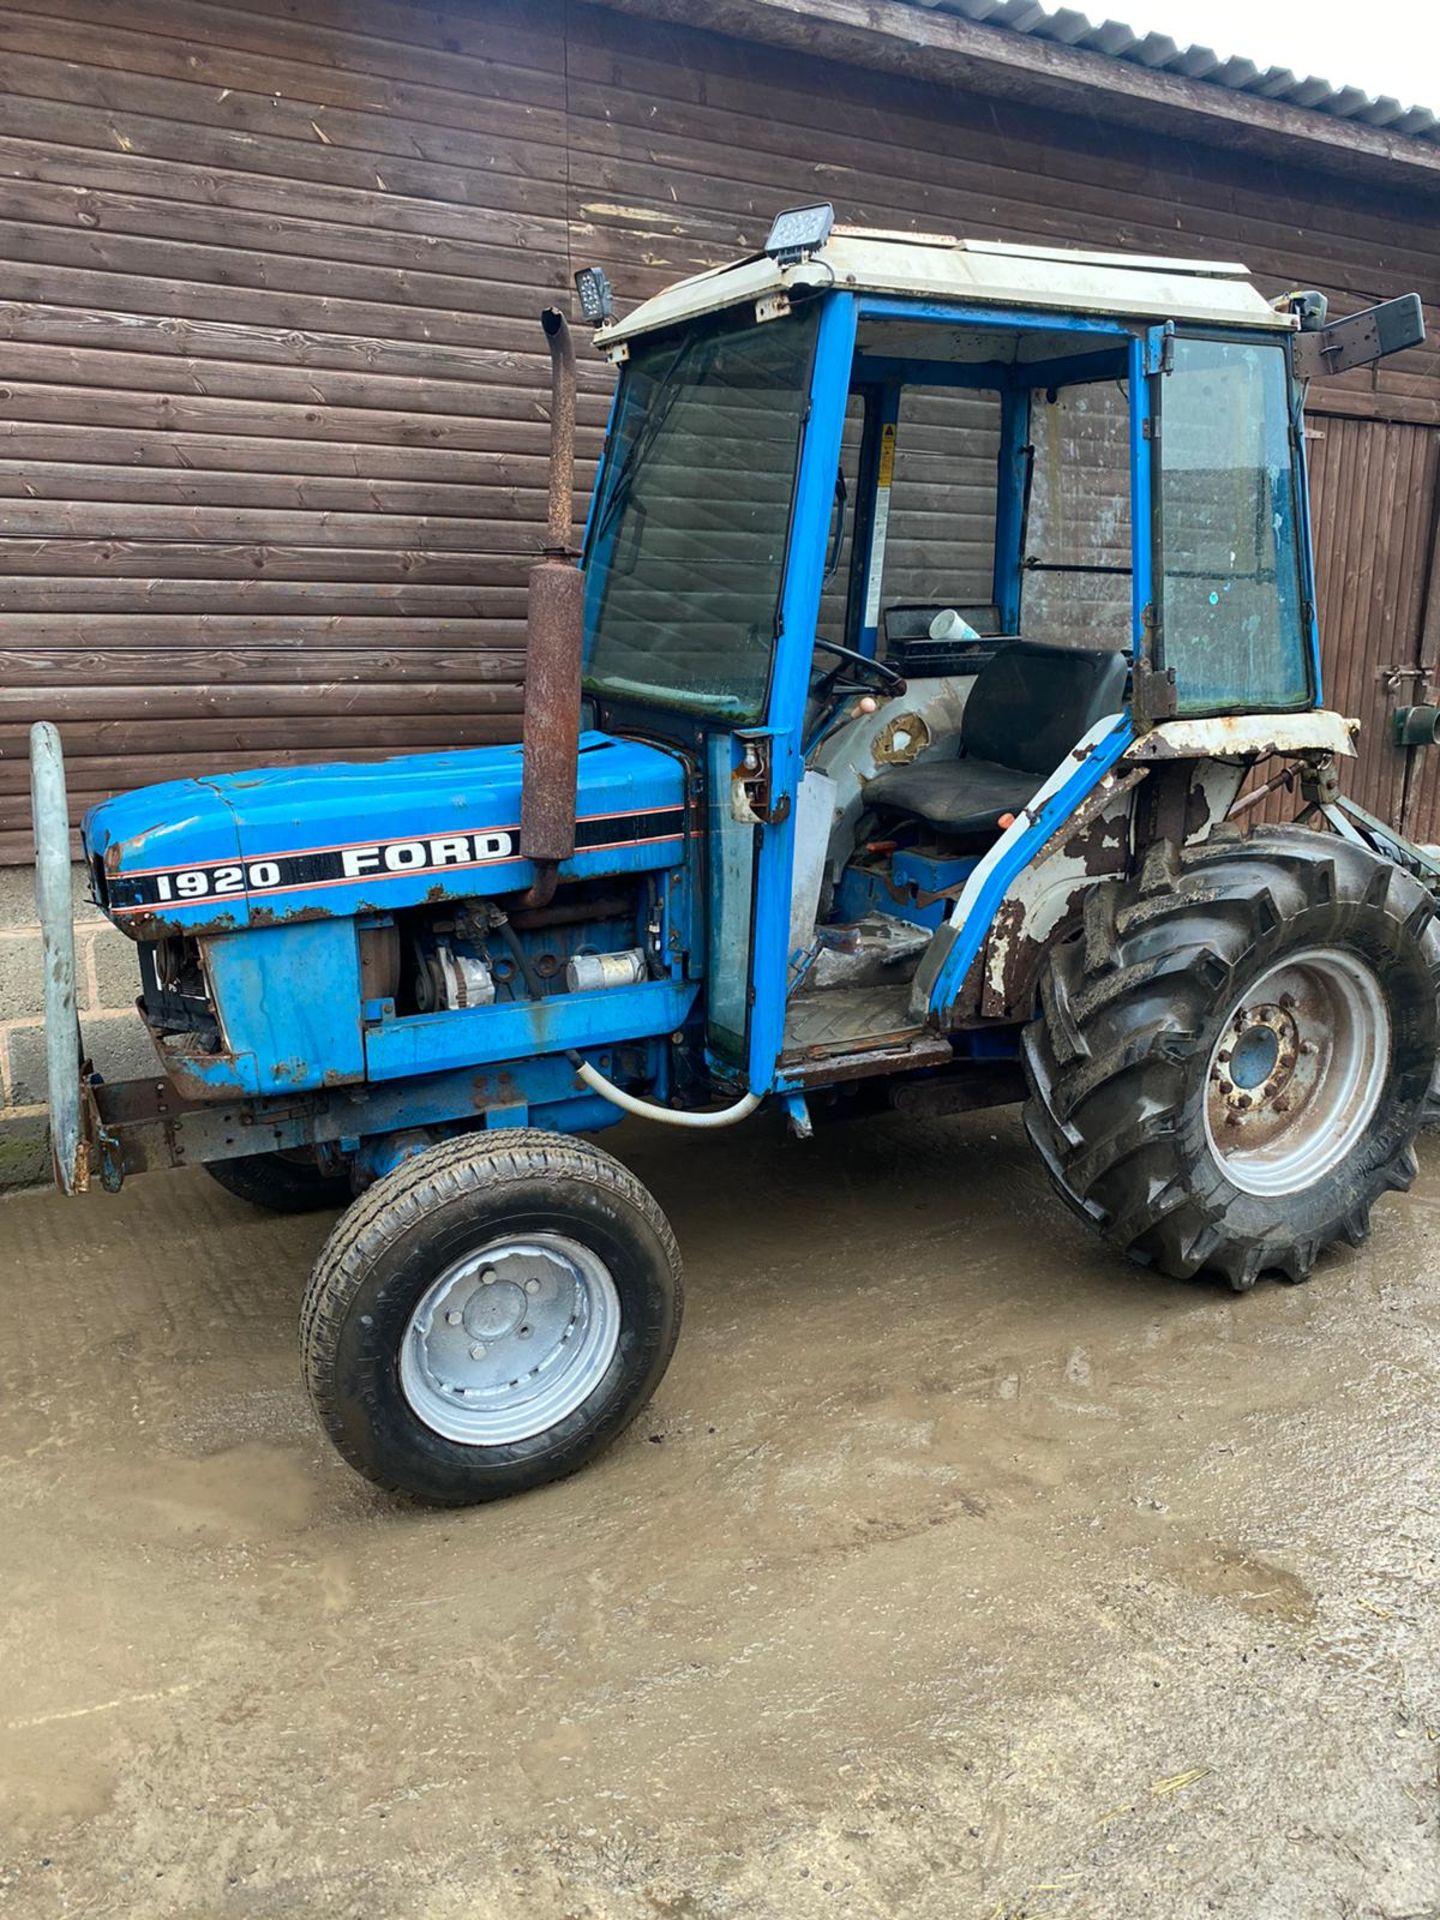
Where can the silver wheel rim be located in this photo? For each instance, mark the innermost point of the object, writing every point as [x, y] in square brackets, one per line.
[1298, 1071]
[510, 1340]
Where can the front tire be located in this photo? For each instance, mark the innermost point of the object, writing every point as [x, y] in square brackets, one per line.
[280, 1183]
[1231, 1065]
[490, 1316]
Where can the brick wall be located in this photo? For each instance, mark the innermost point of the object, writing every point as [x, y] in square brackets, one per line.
[107, 980]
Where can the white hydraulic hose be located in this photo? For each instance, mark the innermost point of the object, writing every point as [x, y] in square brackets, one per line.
[668, 1116]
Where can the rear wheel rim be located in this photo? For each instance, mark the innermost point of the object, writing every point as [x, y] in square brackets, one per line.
[1298, 1072]
[509, 1341]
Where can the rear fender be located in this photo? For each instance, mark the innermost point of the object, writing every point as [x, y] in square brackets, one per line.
[946, 984]
[985, 959]
[1097, 842]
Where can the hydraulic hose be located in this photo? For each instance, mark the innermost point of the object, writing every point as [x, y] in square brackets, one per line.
[607, 1089]
[649, 1110]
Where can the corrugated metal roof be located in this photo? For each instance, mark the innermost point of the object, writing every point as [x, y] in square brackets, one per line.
[1154, 50]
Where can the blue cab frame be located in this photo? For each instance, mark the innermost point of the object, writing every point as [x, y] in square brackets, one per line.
[837, 371]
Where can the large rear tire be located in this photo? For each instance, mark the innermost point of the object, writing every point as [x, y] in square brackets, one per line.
[1231, 1063]
[490, 1315]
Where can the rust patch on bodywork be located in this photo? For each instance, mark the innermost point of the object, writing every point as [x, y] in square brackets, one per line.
[1007, 936]
[176, 1051]
[901, 740]
[290, 917]
[1247, 736]
[155, 926]
[1098, 842]
[1093, 844]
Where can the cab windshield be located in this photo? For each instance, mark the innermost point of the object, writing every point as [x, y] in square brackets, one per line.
[686, 552]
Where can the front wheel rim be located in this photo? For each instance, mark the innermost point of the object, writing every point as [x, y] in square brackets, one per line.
[509, 1341]
[1298, 1072]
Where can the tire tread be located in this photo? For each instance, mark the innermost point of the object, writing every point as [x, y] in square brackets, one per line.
[397, 1203]
[1124, 1011]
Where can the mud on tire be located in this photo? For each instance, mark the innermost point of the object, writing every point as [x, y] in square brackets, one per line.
[1155, 1023]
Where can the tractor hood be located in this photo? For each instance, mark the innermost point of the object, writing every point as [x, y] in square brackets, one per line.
[309, 843]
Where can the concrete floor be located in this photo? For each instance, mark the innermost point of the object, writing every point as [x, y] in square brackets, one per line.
[957, 1571]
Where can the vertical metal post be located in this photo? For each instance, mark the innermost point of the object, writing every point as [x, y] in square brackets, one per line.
[799, 607]
[51, 813]
[1013, 477]
[1154, 695]
[882, 416]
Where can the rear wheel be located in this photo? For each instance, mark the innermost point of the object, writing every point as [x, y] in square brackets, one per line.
[490, 1315]
[1230, 1066]
[280, 1183]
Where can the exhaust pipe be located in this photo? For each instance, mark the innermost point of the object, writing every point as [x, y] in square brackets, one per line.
[554, 622]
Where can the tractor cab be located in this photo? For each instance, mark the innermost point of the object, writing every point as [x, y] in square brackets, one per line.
[904, 535]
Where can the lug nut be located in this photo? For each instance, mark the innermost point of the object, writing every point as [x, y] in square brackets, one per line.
[1282, 1105]
[532, 1286]
[487, 1279]
[1224, 1057]
[453, 1318]
[1307, 1047]
[1287, 1001]
[477, 1353]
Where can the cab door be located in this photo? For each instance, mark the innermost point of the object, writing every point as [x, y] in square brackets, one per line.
[754, 772]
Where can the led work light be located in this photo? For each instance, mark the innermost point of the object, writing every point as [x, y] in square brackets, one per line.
[596, 302]
[798, 231]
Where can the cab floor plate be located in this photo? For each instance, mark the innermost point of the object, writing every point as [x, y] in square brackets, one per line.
[840, 1019]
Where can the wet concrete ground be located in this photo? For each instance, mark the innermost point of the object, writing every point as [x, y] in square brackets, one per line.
[958, 1570]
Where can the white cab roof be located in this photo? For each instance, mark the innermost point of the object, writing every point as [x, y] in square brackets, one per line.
[982, 273]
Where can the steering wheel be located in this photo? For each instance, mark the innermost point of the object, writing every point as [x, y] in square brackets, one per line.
[855, 673]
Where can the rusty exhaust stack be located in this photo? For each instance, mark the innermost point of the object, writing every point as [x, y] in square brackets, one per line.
[554, 619]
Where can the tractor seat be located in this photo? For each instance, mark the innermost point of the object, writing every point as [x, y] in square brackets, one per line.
[1029, 706]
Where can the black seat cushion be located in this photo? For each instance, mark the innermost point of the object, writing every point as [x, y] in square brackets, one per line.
[1033, 702]
[1029, 706]
[954, 796]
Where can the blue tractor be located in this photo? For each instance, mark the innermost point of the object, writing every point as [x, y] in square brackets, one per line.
[885, 749]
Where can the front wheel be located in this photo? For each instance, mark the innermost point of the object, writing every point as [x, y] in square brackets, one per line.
[489, 1316]
[281, 1182]
[1231, 1064]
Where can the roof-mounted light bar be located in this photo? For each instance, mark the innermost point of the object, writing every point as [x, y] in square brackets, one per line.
[799, 231]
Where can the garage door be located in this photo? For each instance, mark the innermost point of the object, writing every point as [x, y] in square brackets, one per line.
[1374, 504]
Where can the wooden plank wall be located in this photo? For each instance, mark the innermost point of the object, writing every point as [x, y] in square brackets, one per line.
[273, 422]
[271, 389]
